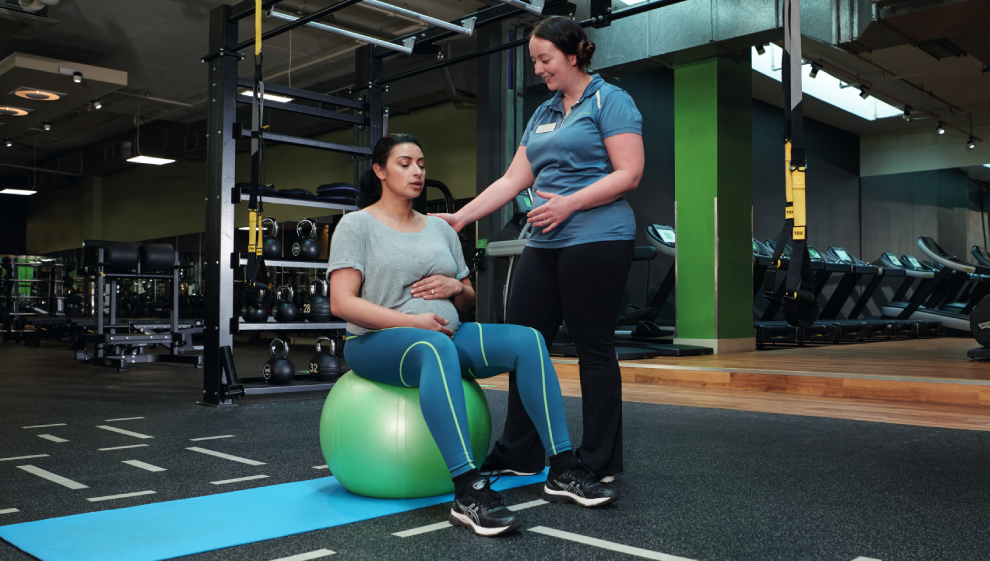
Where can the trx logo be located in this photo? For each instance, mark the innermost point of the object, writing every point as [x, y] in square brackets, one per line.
[798, 234]
[984, 325]
[788, 213]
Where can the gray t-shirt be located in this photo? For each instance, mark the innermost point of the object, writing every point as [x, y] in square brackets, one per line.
[390, 262]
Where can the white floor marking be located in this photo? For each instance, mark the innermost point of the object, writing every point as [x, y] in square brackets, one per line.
[24, 457]
[9, 511]
[124, 419]
[124, 496]
[211, 437]
[423, 529]
[324, 466]
[142, 465]
[53, 478]
[445, 524]
[52, 438]
[612, 546]
[226, 456]
[44, 426]
[122, 431]
[865, 559]
[122, 447]
[530, 504]
[307, 556]
[238, 480]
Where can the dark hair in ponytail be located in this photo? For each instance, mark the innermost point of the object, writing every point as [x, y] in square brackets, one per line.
[568, 37]
[370, 187]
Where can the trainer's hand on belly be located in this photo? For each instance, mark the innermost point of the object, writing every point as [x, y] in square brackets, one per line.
[437, 287]
[432, 322]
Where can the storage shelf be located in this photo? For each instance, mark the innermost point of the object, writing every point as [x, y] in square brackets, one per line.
[237, 197]
[295, 326]
[295, 386]
[290, 264]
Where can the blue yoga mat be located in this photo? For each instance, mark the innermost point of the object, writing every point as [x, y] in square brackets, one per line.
[184, 527]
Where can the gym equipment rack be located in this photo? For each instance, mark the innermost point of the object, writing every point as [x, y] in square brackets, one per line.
[15, 317]
[120, 349]
[220, 383]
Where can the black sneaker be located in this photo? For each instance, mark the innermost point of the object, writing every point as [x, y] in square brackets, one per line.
[576, 485]
[480, 509]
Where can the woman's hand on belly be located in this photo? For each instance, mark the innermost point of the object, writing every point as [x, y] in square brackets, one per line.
[437, 287]
[550, 214]
[431, 322]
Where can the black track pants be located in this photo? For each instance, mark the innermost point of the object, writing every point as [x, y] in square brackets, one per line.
[582, 285]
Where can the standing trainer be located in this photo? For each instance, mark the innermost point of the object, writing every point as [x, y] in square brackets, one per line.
[582, 151]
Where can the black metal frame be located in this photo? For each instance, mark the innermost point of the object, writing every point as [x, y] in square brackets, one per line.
[110, 346]
[220, 381]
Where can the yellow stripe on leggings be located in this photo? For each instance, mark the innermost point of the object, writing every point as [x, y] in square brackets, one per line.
[450, 401]
[543, 374]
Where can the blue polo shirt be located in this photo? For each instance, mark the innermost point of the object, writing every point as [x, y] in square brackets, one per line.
[572, 156]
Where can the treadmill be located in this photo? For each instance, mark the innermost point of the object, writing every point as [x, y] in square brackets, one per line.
[895, 267]
[925, 298]
[854, 327]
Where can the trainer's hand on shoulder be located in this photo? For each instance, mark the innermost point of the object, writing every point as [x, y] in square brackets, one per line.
[437, 287]
[432, 322]
[449, 219]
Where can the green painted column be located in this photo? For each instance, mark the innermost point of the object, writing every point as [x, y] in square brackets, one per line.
[713, 159]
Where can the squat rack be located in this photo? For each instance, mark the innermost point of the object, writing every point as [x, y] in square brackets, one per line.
[220, 385]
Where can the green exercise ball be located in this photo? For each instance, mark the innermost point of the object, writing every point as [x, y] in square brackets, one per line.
[377, 444]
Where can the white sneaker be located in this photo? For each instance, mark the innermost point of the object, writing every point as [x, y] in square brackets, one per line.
[607, 479]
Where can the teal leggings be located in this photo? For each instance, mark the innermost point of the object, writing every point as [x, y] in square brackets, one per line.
[410, 357]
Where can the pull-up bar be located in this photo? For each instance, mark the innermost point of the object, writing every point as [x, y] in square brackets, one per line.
[466, 27]
[520, 42]
[405, 48]
[536, 8]
[296, 22]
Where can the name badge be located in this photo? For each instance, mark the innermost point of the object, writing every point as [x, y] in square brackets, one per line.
[546, 128]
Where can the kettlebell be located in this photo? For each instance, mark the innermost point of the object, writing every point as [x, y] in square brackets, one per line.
[306, 248]
[256, 304]
[325, 366]
[284, 310]
[279, 370]
[318, 306]
[271, 247]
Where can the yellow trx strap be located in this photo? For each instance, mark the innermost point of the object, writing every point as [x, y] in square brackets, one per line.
[254, 217]
[796, 208]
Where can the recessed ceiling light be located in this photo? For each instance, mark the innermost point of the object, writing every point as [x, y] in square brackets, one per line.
[17, 192]
[149, 160]
[269, 97]
[35, 94]
[13, 111]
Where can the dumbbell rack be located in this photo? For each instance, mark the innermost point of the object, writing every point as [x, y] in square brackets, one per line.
[109, 344]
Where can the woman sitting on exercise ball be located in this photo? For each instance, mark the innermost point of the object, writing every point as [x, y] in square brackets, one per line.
[392, 267]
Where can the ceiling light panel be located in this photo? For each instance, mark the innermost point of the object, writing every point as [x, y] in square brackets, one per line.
[11, 111]
[17, 192]
[37, 94]
[149, 160]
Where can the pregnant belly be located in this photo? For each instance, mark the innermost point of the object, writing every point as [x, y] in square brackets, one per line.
[442, 308]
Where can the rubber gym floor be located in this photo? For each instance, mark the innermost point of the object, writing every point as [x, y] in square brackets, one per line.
[700, 484]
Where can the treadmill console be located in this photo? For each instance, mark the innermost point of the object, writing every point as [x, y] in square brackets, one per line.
[911, 262]
[666, 234]
[841, 255]
[815, 256]
[891, 260]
